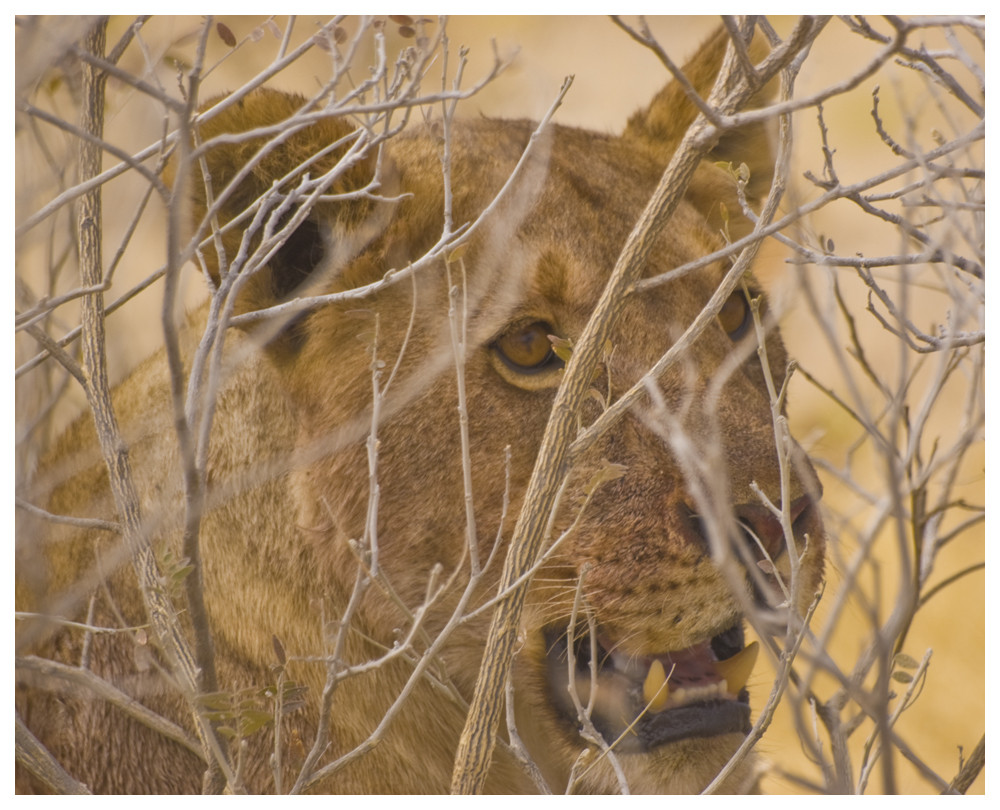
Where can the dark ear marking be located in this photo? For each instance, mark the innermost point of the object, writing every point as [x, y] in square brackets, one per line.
[296, 260]
[260, 162]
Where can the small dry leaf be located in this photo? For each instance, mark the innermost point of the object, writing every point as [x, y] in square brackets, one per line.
[257, 34]
[339, 35]
[406, 32]
[598, 397]
[321, 42]
[457, 253]
[401, 19]
[902, 677]
[296, 749]
[279, 650]
[141, 638]
[225, 34]
[272, 26]
[766, 566]
[608, 472]
[905, 661]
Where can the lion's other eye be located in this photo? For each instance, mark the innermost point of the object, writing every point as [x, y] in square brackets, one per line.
[735, 316]
[527, 349]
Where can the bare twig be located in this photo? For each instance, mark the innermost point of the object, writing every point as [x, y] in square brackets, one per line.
[36, 758]
[77, 678]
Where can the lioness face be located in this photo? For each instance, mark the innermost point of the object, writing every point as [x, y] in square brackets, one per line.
[656, 659]
[636, 555]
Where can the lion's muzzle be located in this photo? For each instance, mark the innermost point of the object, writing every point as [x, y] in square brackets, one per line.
[638, 702]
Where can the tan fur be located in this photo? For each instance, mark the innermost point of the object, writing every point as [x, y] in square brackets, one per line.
[288, 472]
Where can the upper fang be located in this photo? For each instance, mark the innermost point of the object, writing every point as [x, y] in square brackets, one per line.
[654, 689]
[736, 670]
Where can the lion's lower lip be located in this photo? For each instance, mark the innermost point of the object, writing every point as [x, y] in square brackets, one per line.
[696, 720]
[641, 702]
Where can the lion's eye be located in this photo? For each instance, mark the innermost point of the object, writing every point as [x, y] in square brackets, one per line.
[735, 315]
[527, 349]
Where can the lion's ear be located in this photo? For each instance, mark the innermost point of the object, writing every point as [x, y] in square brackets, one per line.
[661, 126]
[278, 160]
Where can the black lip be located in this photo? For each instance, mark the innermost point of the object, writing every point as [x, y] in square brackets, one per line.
[705, 719]
[695, 720]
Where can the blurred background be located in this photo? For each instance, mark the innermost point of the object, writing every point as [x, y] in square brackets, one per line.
[613, 77]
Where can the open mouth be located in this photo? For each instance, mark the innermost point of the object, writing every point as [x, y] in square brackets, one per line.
[641, 701]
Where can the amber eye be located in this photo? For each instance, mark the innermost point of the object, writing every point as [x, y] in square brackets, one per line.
[735, 315]
[527, 349]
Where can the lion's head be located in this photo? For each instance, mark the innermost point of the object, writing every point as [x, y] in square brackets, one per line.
[400, 427]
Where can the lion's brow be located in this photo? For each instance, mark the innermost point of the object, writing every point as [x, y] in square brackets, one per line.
[552, 277]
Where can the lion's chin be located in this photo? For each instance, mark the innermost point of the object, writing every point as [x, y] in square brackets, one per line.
[684, 767]
[640, 702]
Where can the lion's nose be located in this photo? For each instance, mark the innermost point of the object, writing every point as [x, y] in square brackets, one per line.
[764, 526]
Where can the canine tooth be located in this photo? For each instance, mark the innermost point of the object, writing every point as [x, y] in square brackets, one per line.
[654, 689]
[736, 670]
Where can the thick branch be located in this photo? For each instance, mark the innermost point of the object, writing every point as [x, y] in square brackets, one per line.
[476, 744]
[161, 613]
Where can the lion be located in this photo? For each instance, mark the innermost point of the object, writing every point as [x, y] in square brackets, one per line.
[354, 478]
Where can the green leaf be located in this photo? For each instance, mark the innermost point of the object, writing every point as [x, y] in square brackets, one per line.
[726, 166]
[253, 720]
[294, 691]
[563, 347]
[216, 701]
[457, 253]
[178, 575]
